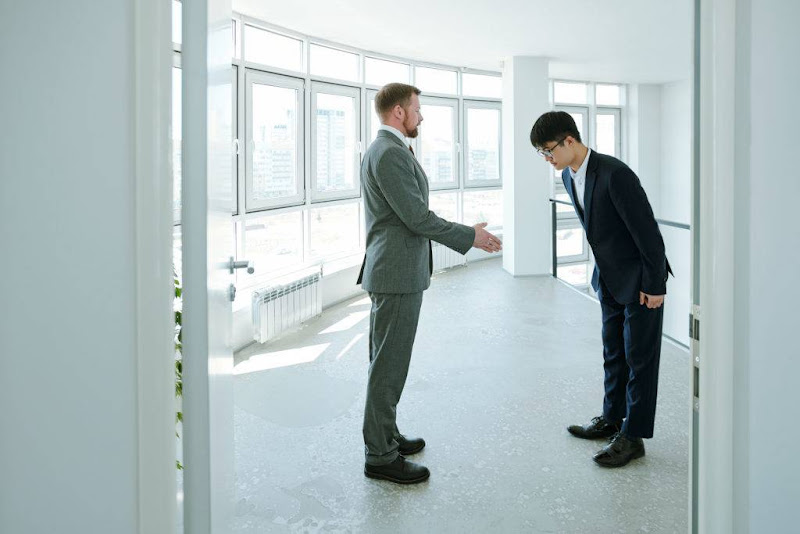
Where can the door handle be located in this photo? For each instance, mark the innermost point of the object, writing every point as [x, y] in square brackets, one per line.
[243, 264]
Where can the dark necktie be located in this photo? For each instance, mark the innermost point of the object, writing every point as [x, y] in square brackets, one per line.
[412, 150]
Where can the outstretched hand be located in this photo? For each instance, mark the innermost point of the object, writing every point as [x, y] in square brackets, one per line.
[485, 240]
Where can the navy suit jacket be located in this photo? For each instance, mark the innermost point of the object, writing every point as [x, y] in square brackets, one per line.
[621, 229]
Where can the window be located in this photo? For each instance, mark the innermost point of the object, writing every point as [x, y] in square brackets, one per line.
[380, 71]
[373, 122]
[596, 109]
[274, 242]
[608, 95]
[570, 93]
[304, 115]
[273, 49]
[484, 206]
[332, 63]
[607, 132]
[334, 231]
[445, 205]
[482, 124]
[482, 85]
[437, 141]
[274, 162]
[335, 130]
[430, 80]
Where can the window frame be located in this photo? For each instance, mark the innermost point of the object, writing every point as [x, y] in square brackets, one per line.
[253, 77]
[481, 104]
[443, 102]
[336, 90]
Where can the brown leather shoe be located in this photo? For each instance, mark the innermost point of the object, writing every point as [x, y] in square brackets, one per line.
[620, 451]
[401, 471]
[597, 428]
[409, 446]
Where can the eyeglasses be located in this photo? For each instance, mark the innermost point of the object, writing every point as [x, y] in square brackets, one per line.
[548, 152]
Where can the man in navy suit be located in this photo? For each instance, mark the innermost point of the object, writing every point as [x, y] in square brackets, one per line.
[630, 278]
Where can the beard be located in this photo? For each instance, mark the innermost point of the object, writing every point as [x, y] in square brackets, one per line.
[412, 133]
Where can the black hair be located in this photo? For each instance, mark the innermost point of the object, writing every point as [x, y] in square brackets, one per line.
[553, 126]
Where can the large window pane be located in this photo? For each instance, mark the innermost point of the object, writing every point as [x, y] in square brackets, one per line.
[438, 143]
[268, 48]
[576, 274]
[570, 93]
[483, 144]
[607, 95]
[334, 230]
[436, 80]
[380, 72]
[607, 134]
[336, 124]
[482, 85]
[177, 141]
[334, 63]
[374, 121]
[445, 205]
[569, 242]
[274, 242]
[483, 206]
[274, 154]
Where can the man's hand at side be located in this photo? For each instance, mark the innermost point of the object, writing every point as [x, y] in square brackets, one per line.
[652, 301]
[485, 240]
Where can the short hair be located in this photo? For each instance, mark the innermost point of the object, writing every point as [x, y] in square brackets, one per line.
[553, 126]
[393, 94]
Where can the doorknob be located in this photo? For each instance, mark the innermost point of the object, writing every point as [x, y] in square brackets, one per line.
[233, 265]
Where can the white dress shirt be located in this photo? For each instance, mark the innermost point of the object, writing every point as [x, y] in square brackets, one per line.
[579, 180]
[395, 131]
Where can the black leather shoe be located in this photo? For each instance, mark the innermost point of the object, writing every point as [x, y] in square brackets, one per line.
[620, 451]
[401, 471]
[409, 446]
[596, 429]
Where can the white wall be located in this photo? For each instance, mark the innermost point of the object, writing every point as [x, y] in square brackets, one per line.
[68, 451]
[675, 202]
[676, 152]
[644, 138]
[766, 239]
[659, 149]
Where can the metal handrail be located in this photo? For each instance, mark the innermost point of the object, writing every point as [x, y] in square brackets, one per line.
[674, 224]
[554, 219]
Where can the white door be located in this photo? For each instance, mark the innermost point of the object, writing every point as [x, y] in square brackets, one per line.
[208, 248]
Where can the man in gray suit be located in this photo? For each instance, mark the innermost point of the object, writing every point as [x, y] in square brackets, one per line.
[397, 269]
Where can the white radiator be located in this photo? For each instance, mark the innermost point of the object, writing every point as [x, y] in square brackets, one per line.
[278, 308]
[445, 258]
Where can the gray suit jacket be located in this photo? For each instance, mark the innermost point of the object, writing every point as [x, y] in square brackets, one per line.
[399, 223]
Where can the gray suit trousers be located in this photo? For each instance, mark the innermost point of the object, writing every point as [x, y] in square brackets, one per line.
[392, 329]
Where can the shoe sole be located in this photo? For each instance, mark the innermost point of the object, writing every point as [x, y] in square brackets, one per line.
[634, 457]
[583, 436]
[378, 476]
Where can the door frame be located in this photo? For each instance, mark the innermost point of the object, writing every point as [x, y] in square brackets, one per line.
[150, 114]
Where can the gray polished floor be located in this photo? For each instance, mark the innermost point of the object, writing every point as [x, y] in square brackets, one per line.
[501, 366]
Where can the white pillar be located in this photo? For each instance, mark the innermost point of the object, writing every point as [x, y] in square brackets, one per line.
[749, 261]
[526, 178]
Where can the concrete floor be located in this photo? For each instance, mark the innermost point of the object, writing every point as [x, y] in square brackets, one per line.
[501, 366]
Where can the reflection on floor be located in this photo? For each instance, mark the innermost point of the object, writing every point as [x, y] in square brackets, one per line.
[501, 366]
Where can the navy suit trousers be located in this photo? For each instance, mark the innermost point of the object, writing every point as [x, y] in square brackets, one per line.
[631, 354]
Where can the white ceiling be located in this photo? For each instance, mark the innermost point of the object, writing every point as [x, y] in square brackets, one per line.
[632, 41]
